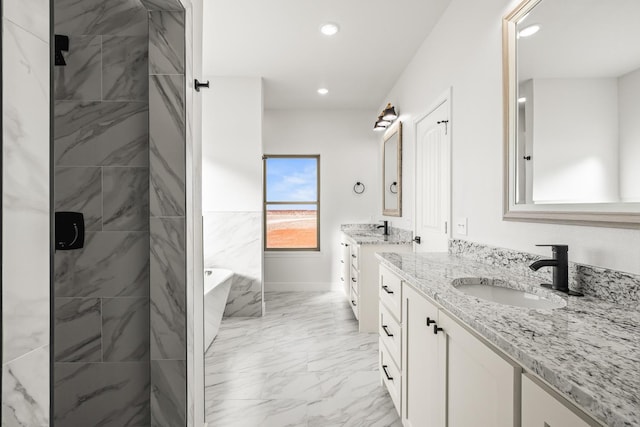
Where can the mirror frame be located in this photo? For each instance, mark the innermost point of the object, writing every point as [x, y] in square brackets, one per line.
[617, 215]
[394, 129]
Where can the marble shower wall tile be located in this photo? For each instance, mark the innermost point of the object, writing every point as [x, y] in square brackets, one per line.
[125, 329]
[168, 393]
[30, 14]
[25, 201]
[102, 394]
[101, 133]
[166, 42]
[79, 189]
[92, 17]
[81, 78]
[125, 199]
[167, 5]
[125, 67]
[168, 288]
[167, 150]
[78, 330]
[25, 390]
[111, 264]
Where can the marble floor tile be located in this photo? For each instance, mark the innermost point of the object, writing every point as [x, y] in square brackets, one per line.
[302, 364]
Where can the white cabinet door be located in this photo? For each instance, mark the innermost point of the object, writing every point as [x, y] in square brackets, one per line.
[541, 409]
[424, 363]
[483, 389]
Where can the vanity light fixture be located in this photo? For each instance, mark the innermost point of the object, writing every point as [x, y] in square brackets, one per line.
[323, 91]
[329, 29]
[389, 113]
[529, 31]
[386, 117]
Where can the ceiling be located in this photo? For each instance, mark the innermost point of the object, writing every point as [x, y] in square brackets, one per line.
[280, 41]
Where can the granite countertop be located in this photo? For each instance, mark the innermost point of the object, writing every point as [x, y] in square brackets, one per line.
[588, 350]
[369, 234]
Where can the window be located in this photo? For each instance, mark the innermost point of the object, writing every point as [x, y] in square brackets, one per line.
[292, 203]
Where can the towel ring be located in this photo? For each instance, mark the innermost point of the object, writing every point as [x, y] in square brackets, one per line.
[391, 187]
[359, 188]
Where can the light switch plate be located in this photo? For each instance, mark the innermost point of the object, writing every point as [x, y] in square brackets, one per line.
[461, 226]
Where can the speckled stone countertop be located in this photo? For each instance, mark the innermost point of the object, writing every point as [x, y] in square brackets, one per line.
[588, 350]
[369, 234]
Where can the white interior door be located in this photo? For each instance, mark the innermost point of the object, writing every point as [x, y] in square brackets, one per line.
[433, 160]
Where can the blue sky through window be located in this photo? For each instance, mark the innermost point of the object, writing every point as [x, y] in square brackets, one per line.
[292, 180]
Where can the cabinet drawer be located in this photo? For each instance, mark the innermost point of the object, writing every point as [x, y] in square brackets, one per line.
[355, 279]
[353, 301]
[390, 292]
[390, 376]
[391, 334]
[355, 255]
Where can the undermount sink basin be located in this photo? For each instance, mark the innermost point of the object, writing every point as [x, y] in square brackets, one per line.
[501, 292]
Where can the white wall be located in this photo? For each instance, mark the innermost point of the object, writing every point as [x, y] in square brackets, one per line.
[575, 140]
[629, 108]
[349, 152]
[464, 51]
[232, 145]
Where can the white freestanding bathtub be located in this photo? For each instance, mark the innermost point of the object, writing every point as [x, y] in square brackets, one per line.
[217, 284]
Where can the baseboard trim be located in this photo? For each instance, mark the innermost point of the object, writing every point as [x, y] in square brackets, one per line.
[300, 286]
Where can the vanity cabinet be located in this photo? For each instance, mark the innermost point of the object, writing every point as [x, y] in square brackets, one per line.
[542, 407]
[449, 376]
[359, 269]
[345, 266]
[482, 386]
[423, 364]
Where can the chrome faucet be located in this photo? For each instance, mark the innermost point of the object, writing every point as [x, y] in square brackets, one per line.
[386, 228]
[560, 262]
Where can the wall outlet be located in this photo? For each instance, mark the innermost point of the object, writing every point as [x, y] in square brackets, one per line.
[461, 226]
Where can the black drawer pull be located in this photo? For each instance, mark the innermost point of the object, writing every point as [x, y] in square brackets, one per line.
[429, 321]
[353, 279]
[353, 303]
[386, 373]
[386, 330]
[353, 256]
[386, 289]
[436, 329]
[342, 278]
[341, 261]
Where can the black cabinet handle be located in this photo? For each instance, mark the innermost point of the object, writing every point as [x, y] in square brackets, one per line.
[353, 303]
[353, 256]
[436, 329]
[386, 289]
[429, 321]
[342, 279]
[386, 373]
[386, 331]
[353, 279]
[341, 261]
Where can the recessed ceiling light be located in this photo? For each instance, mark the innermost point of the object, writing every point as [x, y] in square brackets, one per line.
[329, 29]
[522, 100]
[323, 91]
[529, 31]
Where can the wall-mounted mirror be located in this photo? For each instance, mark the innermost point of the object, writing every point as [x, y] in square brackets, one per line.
[392, 168]
[572, 109]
